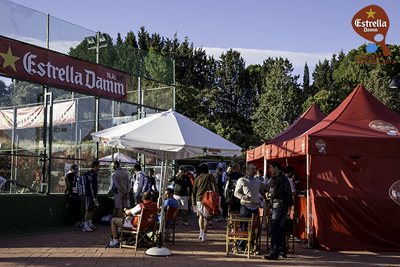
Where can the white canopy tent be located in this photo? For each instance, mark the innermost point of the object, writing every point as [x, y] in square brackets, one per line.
[168, 131]
[167, 135]
[122, 158]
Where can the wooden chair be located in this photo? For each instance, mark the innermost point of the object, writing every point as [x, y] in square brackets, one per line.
[146, 224]
[234, 235]
[170, 215]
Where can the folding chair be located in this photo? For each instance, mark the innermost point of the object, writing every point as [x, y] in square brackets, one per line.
[170, 215]
[290, 231]
[146, 224]
[234, 235]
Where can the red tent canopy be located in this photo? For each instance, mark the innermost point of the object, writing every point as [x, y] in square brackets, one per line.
[307, 120]
[354, 166]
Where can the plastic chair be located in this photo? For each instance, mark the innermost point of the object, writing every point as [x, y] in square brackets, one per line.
[146, 224]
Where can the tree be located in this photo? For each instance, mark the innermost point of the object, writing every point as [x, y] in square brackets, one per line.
[5, 95]
[306, 82]
[281, 99]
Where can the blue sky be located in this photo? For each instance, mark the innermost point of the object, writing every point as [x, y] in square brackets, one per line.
[302, 31]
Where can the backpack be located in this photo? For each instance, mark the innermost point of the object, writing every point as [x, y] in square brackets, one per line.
[229, 192]
[146, 187]
[211, 202]
[82, 181]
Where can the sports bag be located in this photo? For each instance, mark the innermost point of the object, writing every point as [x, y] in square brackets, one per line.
[82, 181]
[146, 185]
[211, 201]
[229, 192]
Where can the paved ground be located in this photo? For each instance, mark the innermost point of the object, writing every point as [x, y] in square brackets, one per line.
[75, 248]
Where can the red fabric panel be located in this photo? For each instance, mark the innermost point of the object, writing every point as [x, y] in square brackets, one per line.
[351, 205]
[301, 209]
[307, 120]
[249, 155]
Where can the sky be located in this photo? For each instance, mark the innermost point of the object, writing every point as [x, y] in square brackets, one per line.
[302, 31]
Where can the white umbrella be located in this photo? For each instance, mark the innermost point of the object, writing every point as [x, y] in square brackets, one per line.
[167, 131]
[122, 158]
[166, 135]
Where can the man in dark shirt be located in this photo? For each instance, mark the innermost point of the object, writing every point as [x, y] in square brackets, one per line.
[183, 191]
[73, 199]
[91, 196]
[154, 191]
[281, 199]
[233, 177]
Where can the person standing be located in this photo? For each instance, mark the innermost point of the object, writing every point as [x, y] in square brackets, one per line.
[230, 184]
[203, 183]
[182, 192]
[139, 179]
[247, 190]
[289, 172]
[73, 198]
[223, 202]
[121, 188]
[222, 165]
[154, 190]
[91, 196]
[260, 175]
[281, 199]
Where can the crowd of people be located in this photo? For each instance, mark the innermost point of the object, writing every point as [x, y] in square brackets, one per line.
[240, 193]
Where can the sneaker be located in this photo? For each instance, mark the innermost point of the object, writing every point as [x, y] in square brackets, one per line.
[270, 256]
[79, 224]
[112, 245]
[87, 229]
[204, 237]
[93, 227]
[282, 255]
[185, 223]
[201, 236]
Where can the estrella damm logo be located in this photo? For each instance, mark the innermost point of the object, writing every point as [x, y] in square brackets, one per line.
[372, 23]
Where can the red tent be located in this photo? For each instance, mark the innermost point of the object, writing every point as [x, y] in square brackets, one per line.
[353, 159]
[309, 119]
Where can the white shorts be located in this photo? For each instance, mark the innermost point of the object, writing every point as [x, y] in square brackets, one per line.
[128, 222]
[202, 210]
[183, 202]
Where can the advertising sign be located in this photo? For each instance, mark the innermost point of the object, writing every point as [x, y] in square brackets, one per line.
[35, 64]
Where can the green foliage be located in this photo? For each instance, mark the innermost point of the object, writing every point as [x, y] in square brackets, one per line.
[5, 94]
[281, 99]
[245, 105]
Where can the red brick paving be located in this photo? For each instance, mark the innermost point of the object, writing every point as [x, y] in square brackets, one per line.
[76, 248]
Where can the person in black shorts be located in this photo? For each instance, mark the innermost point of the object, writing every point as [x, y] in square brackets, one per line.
[91, 196]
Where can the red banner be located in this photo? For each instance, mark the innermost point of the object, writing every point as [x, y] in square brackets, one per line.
[40, 65]
[34, 117]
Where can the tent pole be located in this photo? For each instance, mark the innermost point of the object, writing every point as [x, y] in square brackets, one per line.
[265, 167]
[308, 201]
[264, 219]
[161, 251]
